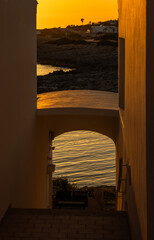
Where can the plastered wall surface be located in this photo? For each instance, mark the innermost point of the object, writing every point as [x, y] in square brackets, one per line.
[17, 104]
[132, 28]
[60, 124]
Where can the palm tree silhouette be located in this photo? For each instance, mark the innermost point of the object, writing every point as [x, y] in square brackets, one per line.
[82, 20]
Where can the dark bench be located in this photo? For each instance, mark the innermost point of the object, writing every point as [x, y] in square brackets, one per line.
[71, 198]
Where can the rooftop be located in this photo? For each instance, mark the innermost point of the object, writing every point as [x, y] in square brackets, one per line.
[81, 102]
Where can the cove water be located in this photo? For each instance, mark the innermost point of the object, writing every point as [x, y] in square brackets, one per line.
[46, 69]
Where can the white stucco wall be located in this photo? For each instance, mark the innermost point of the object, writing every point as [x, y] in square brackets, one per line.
[17, 97]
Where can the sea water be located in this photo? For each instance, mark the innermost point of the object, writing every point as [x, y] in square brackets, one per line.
[86, 158]
[46, 69]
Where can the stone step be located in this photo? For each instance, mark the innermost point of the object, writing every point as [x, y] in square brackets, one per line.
[37, 224]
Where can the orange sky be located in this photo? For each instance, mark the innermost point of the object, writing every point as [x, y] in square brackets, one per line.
[56, 13]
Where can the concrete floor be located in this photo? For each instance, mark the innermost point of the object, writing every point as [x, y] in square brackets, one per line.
[64, 224]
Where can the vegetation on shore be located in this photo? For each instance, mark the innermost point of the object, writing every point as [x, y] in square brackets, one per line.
[104, 195]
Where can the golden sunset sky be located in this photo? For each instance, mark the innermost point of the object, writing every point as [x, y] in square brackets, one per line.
[56, 13]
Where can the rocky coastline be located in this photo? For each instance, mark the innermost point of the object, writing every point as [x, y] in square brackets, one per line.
[94, 60]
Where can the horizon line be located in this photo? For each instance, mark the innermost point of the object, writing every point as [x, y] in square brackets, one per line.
[77, 24]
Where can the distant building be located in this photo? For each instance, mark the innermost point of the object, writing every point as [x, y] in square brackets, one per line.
[103, 29]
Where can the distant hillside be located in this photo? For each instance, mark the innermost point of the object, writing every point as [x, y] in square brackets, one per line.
[57, 32]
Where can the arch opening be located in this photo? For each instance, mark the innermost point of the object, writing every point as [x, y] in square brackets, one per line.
[86, 160]
[88, 152]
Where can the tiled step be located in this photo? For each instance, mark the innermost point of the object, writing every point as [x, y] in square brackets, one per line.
[63, 225]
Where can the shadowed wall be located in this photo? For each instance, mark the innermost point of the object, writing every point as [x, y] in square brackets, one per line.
[17, 98]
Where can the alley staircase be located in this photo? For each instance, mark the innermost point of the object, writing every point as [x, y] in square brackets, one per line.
[63, 224]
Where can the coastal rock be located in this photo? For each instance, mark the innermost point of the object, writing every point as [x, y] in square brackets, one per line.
[95, 64]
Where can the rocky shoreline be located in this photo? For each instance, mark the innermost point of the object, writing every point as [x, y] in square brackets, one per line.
[95, 63]
[77, 80]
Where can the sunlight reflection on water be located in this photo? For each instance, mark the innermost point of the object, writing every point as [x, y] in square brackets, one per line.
[86, 158]
[46, 69]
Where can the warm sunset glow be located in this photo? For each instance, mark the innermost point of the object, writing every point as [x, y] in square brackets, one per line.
[55, 13]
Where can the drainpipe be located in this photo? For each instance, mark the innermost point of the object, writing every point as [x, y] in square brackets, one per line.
[50, 170]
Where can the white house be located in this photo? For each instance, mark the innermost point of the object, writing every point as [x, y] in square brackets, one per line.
[104, 29]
